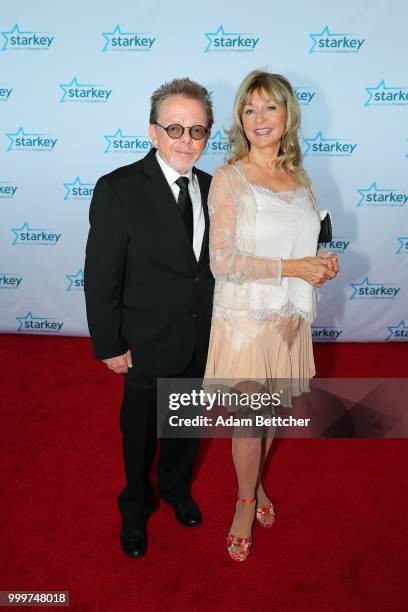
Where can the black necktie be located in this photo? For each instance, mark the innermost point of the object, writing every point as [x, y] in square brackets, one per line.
[185, 205]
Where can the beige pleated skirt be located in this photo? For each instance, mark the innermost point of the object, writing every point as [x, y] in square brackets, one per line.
[276, 353]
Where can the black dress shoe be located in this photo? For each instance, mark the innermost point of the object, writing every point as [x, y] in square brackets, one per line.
[187, 513]
[133, 541]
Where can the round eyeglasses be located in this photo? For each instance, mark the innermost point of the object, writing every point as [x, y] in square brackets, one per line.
[175, 130]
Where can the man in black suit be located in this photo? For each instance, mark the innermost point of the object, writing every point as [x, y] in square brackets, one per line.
[148, 289]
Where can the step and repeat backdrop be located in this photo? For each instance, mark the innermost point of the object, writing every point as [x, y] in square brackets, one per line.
[75, 82]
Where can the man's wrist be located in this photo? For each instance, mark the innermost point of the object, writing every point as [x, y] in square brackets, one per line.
[110, 349]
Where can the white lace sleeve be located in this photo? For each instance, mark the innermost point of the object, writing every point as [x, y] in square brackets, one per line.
[227, 261]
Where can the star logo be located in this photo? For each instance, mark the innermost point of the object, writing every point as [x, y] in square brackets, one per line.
[364, 283]
[76, 281]
[116, 32]
[373, 196]
[399, 331]
[43, 325]
[319, 145]
[127, 41]
[108, 35]
[28, 317]
[326, 41]
[230, 41]
[363, 192]
[123, 143]
[34, 236]
[218, 33]
[17, 231]
[368, 290]
[318, 138]
[15, 31]
[324, 33]
[77, 190]
[403, 245]
[386, 95]
[19, 39]
[84, 92]
[29, 141]
[118, 134]
[72, 85]
[12, 136]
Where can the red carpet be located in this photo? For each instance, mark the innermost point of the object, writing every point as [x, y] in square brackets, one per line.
[340, 539]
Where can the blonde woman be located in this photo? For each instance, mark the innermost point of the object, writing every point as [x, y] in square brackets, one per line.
[263, 244]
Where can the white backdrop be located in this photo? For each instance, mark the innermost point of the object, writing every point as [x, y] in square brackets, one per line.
[75, 82]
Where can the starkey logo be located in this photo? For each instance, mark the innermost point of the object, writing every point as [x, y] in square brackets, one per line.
[17, 40]
[30, 323]
[367, 290]
[9, 280]
[305, 95]
[223, 41]
[217, 144]
[76, 281]
[5, 92]
[77, 190]
[325, 332]
[30, 141]
[123, 143]
[402, 245]
[398, 331]
[84, 92]
[7, 190]
[329, 42]
[128, 41]
[29, 236]
[319, 145]
[381, 95]
[390, 198]
[338, 244]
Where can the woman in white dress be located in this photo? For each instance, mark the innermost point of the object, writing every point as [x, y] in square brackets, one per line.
[263, 244]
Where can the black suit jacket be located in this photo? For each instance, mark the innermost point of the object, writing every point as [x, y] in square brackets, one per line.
[144, 288]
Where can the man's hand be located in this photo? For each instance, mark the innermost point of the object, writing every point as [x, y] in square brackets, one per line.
[120, 364]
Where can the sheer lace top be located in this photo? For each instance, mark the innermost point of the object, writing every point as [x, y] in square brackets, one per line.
[252, 229]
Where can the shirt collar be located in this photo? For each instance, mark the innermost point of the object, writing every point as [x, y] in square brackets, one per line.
[171, 174]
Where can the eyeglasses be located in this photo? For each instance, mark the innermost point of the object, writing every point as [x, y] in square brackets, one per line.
[175, 130]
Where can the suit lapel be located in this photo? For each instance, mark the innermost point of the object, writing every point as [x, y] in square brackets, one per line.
[163, 199]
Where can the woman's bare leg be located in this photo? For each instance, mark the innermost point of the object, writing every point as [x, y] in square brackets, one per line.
[246, 453]
[262, 498]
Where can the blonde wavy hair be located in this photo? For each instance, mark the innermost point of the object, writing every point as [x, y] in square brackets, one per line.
[281, 91]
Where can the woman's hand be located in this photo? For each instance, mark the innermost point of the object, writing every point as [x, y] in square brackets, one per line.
[314, 270]
[331, 259]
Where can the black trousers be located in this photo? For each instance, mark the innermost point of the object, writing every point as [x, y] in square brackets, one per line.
[138, 423]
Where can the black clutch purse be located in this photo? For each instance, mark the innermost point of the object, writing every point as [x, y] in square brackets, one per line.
[325, 227]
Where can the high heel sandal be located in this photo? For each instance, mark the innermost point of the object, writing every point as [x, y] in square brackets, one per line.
[243, 544]
[265, 515]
